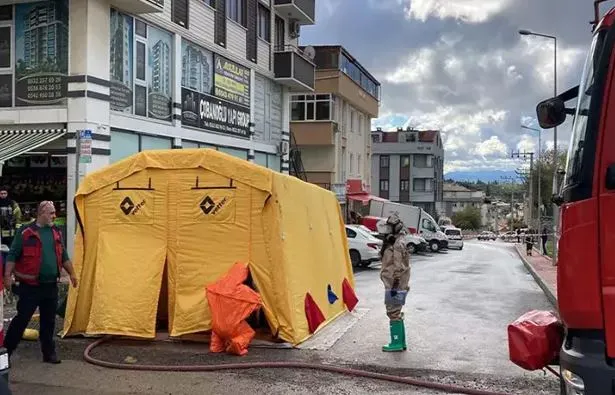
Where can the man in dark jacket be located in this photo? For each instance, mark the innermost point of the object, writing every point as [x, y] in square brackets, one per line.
[37, 257]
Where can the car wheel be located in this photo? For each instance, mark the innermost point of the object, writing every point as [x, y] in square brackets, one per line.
[411, 249]
[355, 258]
[434, 246]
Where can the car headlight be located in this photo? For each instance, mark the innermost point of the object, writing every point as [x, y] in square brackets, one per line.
[573, 384]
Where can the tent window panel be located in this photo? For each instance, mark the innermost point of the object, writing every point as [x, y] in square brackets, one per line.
[129, 206]
[123, 145]
[208, 205]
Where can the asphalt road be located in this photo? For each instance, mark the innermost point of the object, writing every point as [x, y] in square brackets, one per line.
[456, 318]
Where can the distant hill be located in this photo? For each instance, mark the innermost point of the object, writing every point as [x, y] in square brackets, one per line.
[484, 176]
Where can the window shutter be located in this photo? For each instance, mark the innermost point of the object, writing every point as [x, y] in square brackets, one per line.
[220, 23]
[179, 12]
[251, 42]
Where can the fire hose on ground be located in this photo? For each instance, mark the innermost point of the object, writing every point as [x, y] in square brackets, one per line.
[280, 365]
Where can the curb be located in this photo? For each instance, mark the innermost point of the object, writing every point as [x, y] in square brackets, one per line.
[545, 288]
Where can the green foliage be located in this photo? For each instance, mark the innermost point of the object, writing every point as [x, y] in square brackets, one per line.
[468, 218]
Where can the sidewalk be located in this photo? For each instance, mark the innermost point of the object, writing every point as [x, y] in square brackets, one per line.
[542, 269]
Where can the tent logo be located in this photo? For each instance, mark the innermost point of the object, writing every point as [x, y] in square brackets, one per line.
[208, 206]
[128, 207]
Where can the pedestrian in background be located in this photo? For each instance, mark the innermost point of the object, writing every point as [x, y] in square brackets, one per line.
[395, 275]
[529, 242]
[544, 236]
[37, 257]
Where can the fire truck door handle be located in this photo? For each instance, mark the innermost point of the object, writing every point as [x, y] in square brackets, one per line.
[610, 177]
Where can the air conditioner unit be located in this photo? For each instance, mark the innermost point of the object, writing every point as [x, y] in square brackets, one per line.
[294, 29]
[283, 148]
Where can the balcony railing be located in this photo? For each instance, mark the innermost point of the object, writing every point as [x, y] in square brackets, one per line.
[139, 6]
[293, 69]
[303, 11]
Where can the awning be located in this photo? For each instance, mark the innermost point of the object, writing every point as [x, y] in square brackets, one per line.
[16, 142]
[365, 198]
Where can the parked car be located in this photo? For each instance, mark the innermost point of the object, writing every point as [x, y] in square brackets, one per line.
[363, 247]
[455, 237]
[415, 243]
[486, 235]
[509, 236]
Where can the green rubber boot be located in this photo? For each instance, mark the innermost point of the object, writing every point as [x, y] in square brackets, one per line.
[403, 335]
[397, 337]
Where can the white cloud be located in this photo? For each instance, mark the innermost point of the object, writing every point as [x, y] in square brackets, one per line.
[492, 147]
[470, 11]
[528, 143]
[417, 68]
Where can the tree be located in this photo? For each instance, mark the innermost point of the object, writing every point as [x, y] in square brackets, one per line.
[545, 163]
[468, 218]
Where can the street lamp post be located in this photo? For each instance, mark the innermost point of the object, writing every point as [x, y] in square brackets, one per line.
[555, 156]
[539, 177]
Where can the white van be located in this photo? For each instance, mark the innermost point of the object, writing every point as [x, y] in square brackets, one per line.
[455, 237]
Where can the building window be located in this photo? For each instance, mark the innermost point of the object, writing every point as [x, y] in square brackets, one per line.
[404, 185]
[280, 33]
[236, 152]
[384, 185]
[384, 161]
[405, 161]
[359, 170]
[260, 158]
[422, 185]
[151, 142]
[179, 12]
[264, 23]
[351, 164]
[211, 3]
[236, 11]
[123, 145]
[360, 77]
[312, 107]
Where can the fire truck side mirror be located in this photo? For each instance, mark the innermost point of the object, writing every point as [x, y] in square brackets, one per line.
[551, 113]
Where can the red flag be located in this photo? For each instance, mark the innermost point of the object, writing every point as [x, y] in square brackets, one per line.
[348, 296]
[314, 316]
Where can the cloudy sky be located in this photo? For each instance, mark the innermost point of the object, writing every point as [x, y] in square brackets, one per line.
[460, 66]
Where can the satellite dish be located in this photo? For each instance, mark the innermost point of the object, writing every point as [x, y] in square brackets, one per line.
[310, 52]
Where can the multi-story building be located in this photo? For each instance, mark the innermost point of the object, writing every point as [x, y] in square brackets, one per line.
[408, 167]
[147, 74]
[331, 126]
[456, 198]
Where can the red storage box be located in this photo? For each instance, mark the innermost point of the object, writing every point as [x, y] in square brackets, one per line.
[534, 339]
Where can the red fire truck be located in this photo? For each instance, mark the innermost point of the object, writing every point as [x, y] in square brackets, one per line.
[586, 197]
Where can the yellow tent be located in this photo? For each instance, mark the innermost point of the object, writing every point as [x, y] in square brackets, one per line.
[192, 214]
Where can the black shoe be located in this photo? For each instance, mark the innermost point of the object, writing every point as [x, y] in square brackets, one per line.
[53, 360]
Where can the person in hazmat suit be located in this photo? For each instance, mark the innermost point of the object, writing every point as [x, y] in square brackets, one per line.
[395, 274]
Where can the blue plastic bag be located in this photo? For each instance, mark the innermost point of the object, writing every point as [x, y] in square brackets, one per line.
[398, 300]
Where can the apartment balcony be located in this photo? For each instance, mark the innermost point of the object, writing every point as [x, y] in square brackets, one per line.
[139, 6]
[303, 11]
[314, 133]
[293, 69]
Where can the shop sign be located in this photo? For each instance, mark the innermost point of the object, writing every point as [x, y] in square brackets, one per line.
[207, 112]
[85, 146]
[231, 81]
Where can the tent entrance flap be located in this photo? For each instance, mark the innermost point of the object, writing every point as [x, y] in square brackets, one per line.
[17, 142]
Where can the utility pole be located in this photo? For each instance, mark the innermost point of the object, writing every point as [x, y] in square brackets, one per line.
[525, 155]
[512, 200]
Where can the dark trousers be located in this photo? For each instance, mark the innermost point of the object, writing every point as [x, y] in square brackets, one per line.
[45, 297]
[544, 245]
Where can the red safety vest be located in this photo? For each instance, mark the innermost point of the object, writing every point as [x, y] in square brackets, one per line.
[28, 265]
